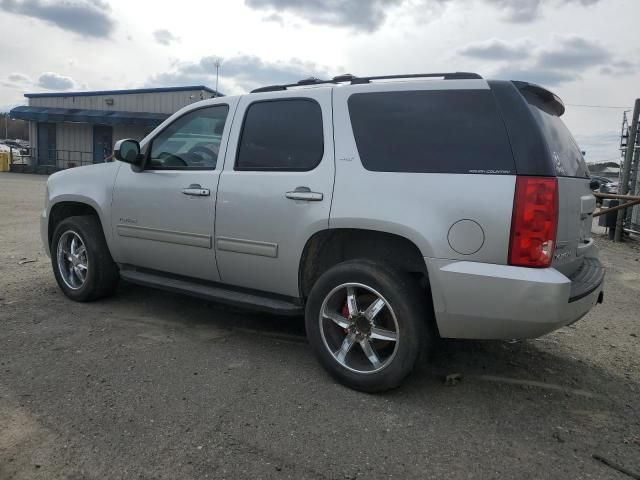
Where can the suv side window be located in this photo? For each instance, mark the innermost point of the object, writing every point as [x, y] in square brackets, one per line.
[430, 131]
[191, 142]
[281, 135]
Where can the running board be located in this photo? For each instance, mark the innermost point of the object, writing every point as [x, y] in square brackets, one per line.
[214, 293]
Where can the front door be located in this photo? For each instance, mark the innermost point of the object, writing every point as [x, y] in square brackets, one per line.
[102, 142]
[163, 217]
[276, 187]
[46, 144]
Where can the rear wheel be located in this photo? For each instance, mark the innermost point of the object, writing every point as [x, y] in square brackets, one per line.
[366, 322]
[81, 261]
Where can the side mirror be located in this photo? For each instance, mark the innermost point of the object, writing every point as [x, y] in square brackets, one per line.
[594, 185]
[128, 151]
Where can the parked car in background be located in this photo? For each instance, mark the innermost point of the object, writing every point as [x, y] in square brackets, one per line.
[610, 187]
[17, 147]
[602, 185]
[387, 210]
[597, 182]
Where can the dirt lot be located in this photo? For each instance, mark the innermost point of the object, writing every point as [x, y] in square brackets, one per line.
[152, 385]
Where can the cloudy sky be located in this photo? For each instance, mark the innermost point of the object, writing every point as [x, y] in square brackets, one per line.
[587, 51]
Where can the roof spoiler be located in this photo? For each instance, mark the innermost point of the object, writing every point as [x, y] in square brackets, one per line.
[550, 100]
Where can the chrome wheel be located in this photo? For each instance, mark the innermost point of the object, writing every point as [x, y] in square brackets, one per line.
[73, 263]
[359, 328]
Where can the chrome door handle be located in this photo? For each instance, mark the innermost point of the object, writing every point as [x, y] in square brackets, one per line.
[196, 190]
[304, 193]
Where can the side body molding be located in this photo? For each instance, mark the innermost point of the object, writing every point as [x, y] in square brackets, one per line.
[167, 236]
[251, 247]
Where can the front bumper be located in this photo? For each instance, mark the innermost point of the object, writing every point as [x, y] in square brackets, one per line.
[486, 301]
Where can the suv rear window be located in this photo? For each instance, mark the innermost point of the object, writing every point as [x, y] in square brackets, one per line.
[565, 153]
[430, 131]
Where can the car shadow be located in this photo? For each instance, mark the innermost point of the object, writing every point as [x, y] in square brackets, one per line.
[539, 364]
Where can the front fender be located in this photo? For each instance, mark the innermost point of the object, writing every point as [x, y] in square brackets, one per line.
[91, 185]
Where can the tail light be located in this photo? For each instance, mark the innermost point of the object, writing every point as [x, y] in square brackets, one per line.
[535, 222]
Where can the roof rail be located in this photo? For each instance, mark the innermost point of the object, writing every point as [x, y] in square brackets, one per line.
[347, 77]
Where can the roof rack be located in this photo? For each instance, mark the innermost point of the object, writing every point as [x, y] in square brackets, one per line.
[347, 77]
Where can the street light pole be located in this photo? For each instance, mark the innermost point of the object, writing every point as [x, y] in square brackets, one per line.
[217, 64]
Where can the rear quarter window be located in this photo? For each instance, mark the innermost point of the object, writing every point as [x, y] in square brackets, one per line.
[565, 154]
[430, 131]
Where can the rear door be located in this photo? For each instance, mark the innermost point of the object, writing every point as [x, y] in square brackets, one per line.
[276, 187]
[422, 159]
[576, 201]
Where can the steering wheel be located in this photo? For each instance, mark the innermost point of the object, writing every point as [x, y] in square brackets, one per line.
[204, 153]
[171, 160]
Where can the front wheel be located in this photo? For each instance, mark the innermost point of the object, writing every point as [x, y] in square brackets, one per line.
[81, 261]
[366, 322]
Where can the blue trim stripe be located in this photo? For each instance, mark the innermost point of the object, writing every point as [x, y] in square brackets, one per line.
[102, 117]
[124, 92]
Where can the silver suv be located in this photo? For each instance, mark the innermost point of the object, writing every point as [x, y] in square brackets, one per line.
[387, 210]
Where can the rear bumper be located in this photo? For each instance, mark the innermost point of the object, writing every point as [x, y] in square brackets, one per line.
[486, 301]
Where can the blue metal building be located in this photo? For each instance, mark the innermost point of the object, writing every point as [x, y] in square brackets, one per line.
[70, 129]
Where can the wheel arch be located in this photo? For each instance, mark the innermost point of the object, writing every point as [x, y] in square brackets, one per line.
[329, 247]
[65, 208]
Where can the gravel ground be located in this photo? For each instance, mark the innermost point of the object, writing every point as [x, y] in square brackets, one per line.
[152, 385]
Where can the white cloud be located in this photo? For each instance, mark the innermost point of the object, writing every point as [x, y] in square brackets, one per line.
[54, 81]
[165, 37]
[370, 15]
[18, 78]
[240, 73]
[561, 60]
[89, 18]
[574, 52]
[496, 49]
[361, 15]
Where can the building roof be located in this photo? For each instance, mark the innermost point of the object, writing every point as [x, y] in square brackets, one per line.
[124, 92]
[102, 117]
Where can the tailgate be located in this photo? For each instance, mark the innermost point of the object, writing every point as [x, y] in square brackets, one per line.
[576, 204]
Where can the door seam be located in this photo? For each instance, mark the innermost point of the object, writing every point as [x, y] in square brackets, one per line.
[215, 203]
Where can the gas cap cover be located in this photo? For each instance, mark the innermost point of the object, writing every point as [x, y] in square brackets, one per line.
[466, 237]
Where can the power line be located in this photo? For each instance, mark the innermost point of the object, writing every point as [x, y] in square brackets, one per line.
[596, 106]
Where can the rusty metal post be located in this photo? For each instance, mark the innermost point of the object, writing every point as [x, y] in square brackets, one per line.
[633, 189]
[628, 160]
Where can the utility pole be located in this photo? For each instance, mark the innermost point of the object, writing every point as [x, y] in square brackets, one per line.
[217, 64]
[626, 167]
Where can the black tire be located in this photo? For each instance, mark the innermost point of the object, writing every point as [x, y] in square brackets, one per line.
[405, 299]
[102, 274]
